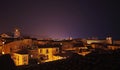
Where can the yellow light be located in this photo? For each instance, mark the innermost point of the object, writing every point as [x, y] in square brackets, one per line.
[3, 52]
[16, 30]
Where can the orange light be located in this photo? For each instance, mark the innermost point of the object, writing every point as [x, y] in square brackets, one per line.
[3, 52]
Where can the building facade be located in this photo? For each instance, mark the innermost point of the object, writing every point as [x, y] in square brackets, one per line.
[20, 59]
[48, 53]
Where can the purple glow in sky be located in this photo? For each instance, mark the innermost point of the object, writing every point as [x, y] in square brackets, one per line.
[61, 18]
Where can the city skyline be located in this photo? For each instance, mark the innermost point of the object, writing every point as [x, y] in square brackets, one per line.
[61, 19]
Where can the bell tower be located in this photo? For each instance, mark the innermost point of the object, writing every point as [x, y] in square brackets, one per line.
[16, 33]
[109, 40]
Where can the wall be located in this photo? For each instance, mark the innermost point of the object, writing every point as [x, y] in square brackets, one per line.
[20, 59]
[50, 53]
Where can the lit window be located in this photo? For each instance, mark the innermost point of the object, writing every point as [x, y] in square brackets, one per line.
[24, 59]
[40, 50]
[18, 58]
[47, 51]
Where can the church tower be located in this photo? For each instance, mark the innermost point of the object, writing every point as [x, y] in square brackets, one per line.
[109, 40]
[16, 33]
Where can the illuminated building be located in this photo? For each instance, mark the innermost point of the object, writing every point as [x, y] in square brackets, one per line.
[109, 40]
[4, 35]
[1, 45]
[90, 41]
[33, 53]
[113, 47]
[47, 53]
[20, 59]
[0, 50]
[16, 45]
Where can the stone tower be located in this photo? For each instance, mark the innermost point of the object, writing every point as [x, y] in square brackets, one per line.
[16, 33]
[109, 40]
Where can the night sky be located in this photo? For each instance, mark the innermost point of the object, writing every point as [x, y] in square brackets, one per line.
[61, 18]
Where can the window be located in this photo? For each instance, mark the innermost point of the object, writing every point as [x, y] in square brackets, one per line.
[40, 50]
[18, 60]
[24, 59]
[47, 51]
[57, 50]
